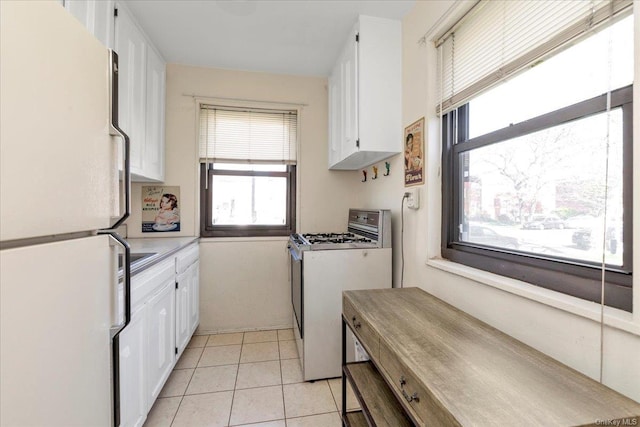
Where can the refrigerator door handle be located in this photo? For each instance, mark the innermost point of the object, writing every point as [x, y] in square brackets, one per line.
[116, 131]
[126, 270]
[119, 327]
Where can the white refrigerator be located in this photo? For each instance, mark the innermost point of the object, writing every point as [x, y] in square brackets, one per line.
[62, 186]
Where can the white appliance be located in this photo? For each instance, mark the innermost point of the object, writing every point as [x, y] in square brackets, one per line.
[322, 266]
[62, 190]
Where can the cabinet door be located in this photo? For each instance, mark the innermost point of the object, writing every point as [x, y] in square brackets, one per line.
[161, 344]
[335, 116]
[133, 396]
[131, 46]
[349, 65]
[187, 305]
[182, 311]
[96, 16]
[153, 152]
[370, 86]
[194, 300]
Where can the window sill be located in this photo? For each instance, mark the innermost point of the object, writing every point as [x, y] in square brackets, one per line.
[614, 318]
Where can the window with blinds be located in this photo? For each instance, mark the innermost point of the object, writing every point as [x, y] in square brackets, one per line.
[498, 38]
[248, 172]
[537, 101]
[232, 135]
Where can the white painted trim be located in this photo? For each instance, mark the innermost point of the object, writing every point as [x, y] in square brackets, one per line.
[614, 318]
[206, 240]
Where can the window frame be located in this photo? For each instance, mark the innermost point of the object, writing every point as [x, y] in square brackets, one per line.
[207, 229]
[576, 278]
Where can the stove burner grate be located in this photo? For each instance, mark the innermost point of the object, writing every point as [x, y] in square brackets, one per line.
[335, 238]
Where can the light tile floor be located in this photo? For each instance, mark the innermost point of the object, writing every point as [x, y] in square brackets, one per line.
[245, 379]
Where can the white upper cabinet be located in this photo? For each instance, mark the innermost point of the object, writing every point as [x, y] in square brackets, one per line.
[141, 95]
[153, 149]
[131, 46]
[96, 16]
[335, 119]
[365, 124]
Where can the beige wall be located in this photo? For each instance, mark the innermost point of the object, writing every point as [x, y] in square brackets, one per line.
[564, 327]
[244, 283]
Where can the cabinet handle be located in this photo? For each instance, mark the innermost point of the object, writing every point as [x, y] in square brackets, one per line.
[356, 324]
[412, 398]
[409, 398]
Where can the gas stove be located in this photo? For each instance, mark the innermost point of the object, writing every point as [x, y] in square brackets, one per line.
[366, 229]
[323, 265]
[327, 241]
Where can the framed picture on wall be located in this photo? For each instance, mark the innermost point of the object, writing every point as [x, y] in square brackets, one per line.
[414, 153]
[160, 211]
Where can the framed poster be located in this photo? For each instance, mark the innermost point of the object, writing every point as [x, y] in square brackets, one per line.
[414, 153]
[160, 211]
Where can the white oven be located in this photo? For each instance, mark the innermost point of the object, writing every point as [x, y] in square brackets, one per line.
[322, 266]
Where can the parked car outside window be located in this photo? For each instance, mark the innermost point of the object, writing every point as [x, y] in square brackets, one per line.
[588, 238]
[543, 222]
[486, 236]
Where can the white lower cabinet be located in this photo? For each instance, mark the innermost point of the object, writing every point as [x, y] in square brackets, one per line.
[161, 324]
[133, 395]
[187, 296]
[165, 313]
[187, 302]
[182, 314]
[194, 297]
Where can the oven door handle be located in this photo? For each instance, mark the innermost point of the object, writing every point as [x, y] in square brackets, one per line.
[294, 255]
[297, 288]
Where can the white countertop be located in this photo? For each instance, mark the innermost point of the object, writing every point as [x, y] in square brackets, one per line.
[163, 247]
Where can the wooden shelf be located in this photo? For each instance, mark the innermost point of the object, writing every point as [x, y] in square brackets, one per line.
[440, 366]
[355, 419]
[378, 402]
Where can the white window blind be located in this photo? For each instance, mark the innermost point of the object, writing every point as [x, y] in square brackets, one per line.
[497, 38]
[256, 136]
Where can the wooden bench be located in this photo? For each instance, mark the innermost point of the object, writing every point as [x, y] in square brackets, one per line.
[432, 364]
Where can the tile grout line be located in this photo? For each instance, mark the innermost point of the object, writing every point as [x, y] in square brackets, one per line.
[233, 394]
[284, 407]
[333, 396]
[173, 419]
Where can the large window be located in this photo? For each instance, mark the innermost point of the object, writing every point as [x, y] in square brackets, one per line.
[248, 172]
[537, 169]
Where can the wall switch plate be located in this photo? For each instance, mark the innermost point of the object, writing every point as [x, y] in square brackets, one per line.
[413, 201]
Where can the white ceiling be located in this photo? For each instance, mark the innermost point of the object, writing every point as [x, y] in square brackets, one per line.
[299, 37]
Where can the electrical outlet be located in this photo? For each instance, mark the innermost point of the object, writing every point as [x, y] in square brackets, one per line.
[413, 201]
